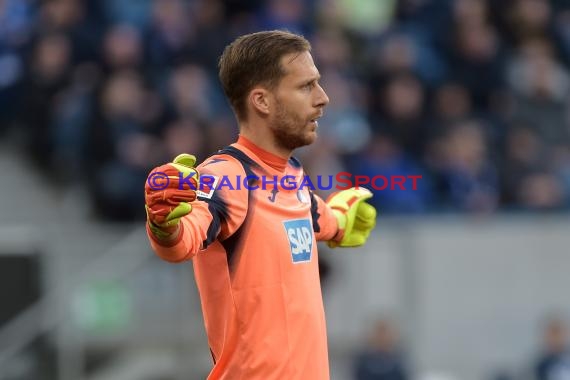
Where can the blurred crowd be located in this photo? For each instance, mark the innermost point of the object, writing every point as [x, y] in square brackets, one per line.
[383, 356]
[470, 94]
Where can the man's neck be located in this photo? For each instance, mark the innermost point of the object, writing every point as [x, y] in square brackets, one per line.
[263, 138]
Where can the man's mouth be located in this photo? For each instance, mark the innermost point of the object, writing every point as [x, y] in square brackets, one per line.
[314, 119]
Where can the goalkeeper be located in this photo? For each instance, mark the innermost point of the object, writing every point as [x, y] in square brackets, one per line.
[254, 252]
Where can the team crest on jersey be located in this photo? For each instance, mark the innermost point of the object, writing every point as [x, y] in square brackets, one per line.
[300, 236]
[302, 197]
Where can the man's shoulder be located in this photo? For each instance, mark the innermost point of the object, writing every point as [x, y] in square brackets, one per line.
[219, 173]
[221, 162]
[227, 169]
[231, 159]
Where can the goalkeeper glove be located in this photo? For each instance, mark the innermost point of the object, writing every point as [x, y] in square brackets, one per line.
[355, 217]
[166, 200]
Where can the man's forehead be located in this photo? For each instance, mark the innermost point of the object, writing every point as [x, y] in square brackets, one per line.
[299, 64]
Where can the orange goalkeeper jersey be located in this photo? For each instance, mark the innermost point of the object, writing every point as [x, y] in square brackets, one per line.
[255, 261]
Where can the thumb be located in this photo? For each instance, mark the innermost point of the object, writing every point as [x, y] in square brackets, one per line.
[185, 159]
[184, 163]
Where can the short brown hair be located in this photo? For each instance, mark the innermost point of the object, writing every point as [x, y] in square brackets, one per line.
[255, 59]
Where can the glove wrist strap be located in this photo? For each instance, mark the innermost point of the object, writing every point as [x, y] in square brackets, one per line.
[163, 236]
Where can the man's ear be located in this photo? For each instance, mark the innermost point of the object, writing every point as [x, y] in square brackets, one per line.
[259, 98]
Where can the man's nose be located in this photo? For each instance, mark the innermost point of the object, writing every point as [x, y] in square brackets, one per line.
[322, 97]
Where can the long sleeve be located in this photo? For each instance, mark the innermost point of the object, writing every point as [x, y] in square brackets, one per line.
[325, 224]
[193, 232]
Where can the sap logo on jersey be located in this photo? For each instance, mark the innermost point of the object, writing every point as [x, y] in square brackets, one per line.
[300, 235]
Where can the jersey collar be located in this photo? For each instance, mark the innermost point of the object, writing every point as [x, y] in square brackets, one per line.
[276, 162]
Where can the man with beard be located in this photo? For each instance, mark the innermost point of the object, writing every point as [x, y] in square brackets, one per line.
[253, 244]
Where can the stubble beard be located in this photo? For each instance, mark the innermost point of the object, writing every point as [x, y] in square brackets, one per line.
[289, 130]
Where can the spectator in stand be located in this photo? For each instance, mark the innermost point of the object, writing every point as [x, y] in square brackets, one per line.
[554, 360]
[382, 358]
[400, 113]
[467, 176]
